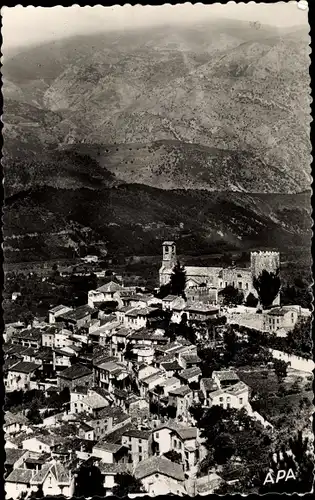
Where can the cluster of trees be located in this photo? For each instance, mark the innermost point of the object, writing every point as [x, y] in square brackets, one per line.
[231, 296]
[38, 295]
[33, 400]
[298, 340]
[267, 285]
[90, 483]
[235, 351]
[233, 439]
[177, 283]
[296, 456]
[298, 292]
[247, 452]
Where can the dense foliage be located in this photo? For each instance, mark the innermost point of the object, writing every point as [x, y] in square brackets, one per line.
[125, 484]
[267, 285]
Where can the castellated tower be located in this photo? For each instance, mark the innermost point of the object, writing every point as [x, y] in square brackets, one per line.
[269, 261]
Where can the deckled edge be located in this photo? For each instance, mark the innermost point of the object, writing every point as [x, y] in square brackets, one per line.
[311, 10]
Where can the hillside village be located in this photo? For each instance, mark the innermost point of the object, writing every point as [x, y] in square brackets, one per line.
[141, 389]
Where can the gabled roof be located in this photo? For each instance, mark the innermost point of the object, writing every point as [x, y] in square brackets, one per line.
[209, 384]
[181, 391]
[22, 476]
[225, 375]
[170, 298]
[78, 313]
[12, 455]
[109, 287]
[182, 431]
[95, 401]
[110, 447]
[191, 358]
[190, 372]
[59, 308]
[159, 465]
[138, 433]
[201, 308]
[171, 366]
[24, 367]
[61, 474]
[169, 381]
[237, 388]
[12, 418]
[75, 371]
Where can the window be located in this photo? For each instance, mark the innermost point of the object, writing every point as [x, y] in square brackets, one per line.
[241, 401]
[140, 458]
[228, 398]
[40, 447]
[240, 285]
[157, 435]
[140, 440]
[140, 449]
[246, 286]
[221, 399]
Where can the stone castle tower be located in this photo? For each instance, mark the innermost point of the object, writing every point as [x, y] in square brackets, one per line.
[269, 261]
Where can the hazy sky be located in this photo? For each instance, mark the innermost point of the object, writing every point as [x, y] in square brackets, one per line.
[29, 25]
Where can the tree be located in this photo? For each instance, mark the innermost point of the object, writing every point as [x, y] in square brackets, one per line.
[224, 448]
[299, 339]
[89, 482]
[251, 300]
[267, 285]
[125, 484]
[231, 296]
[233, 434]
[34, 414]
[280, 368]
[230, 341]
[164, 291]
[178, 280]
[295, 455]
[185, 330]
[174, 456]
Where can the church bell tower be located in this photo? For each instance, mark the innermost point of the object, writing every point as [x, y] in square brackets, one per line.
[169, 254]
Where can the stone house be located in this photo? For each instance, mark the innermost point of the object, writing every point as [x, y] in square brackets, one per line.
[138, 443]
[111, 373]
[161, 476]
[181, 398]
[20, 375]
[53, 479]
[77, 374]
[110, 453]
[15, 423]
[179, 438]
[57, 311]
[233, 396]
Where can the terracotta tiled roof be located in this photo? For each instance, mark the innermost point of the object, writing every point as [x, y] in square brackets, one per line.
[75, 371]
[13, 454]
[24, 367]
[190, 372]
[159, 465]
[23, 476]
